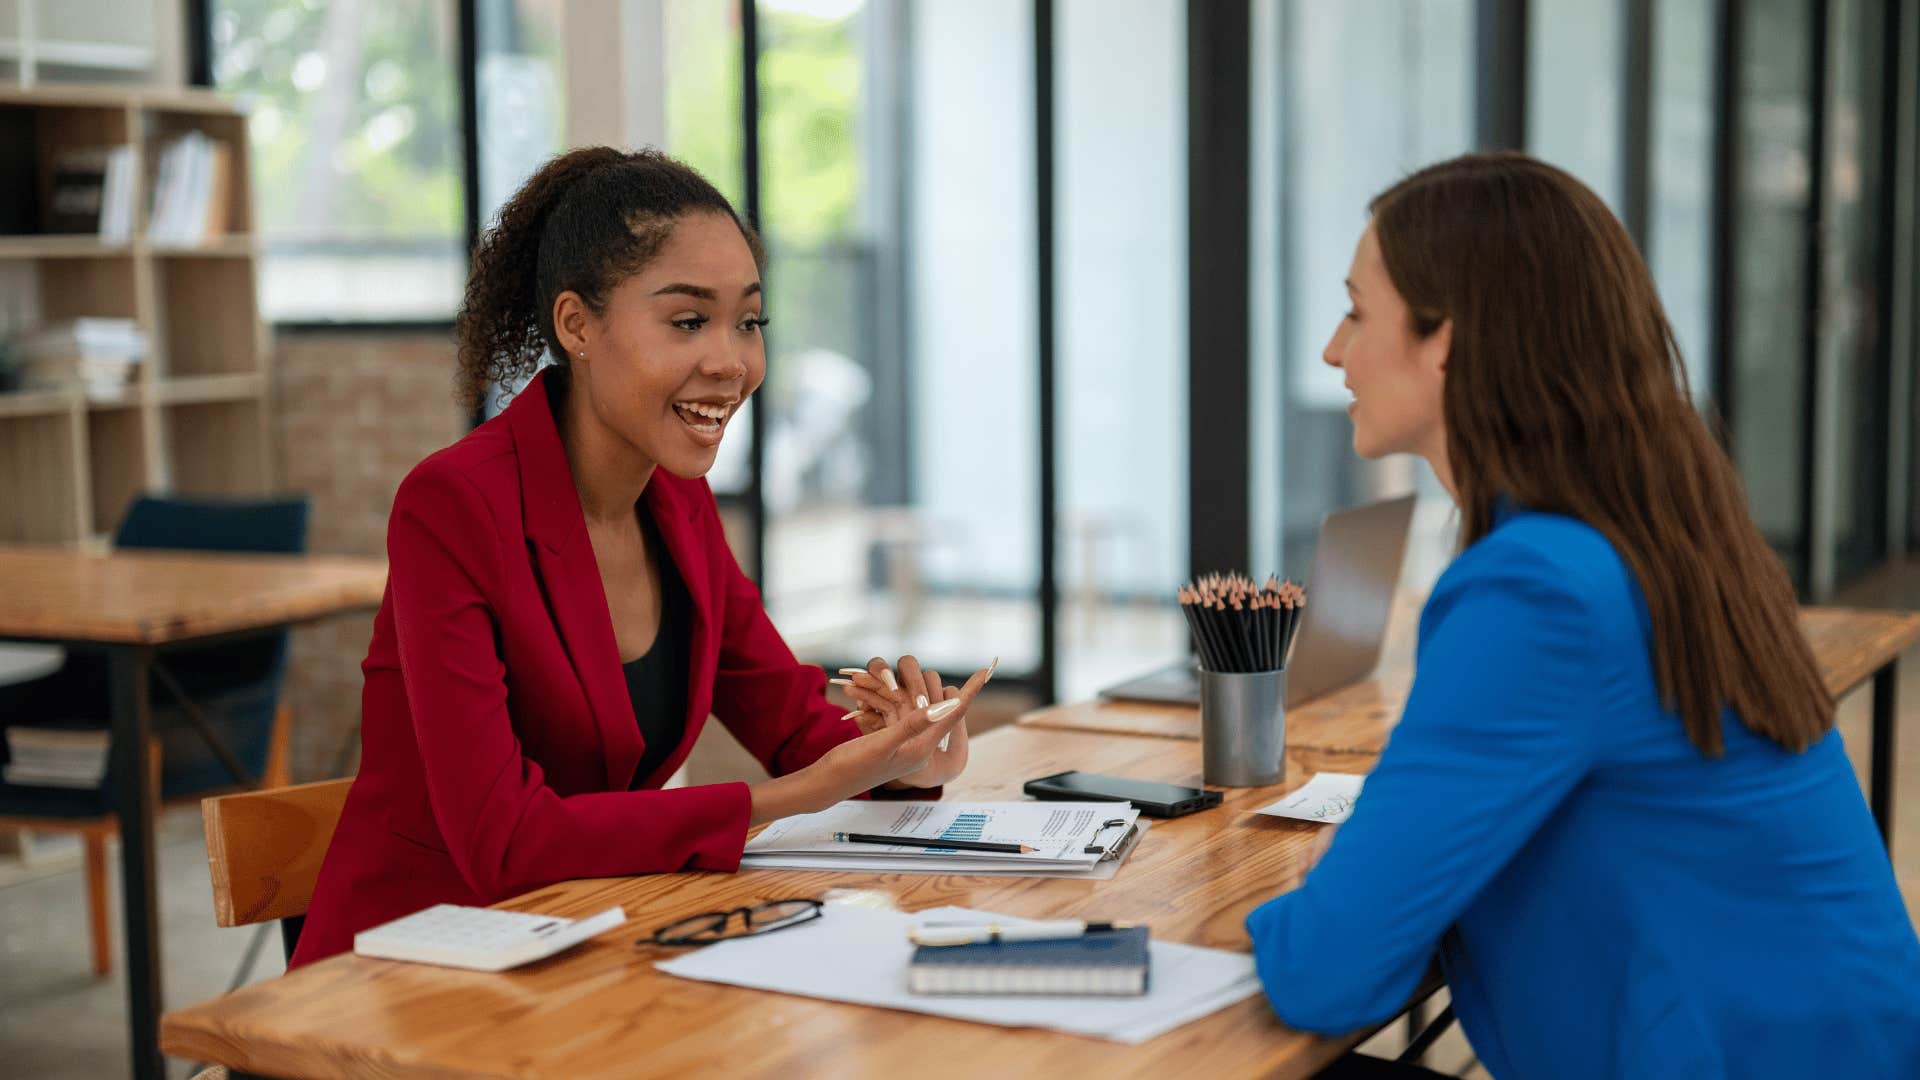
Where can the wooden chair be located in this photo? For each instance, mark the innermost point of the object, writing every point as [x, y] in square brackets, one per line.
[96, 830]
[264, 850]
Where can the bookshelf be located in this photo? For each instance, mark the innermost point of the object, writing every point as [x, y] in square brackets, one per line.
[193, 418]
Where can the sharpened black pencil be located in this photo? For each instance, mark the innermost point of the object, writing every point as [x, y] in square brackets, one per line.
[1238, 625]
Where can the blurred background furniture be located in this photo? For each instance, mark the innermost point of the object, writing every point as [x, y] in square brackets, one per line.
[214, 705]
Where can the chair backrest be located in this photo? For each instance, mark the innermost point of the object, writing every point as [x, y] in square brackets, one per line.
[236, 682]
[264, 848]
[272, 526]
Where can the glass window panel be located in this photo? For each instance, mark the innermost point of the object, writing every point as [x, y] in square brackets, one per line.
[355, 137]
[1769, 272]
[973, 331]
[1853, 457]
[1680, 225]
[1120, 288]
[1575, 89]
[703, 90]
[1402, 73]
[900, 484]
[521, 97]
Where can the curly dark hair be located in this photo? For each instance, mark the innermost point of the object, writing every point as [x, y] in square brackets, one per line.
[585, 221]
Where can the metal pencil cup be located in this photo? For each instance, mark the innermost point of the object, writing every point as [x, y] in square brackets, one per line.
[1243, 727]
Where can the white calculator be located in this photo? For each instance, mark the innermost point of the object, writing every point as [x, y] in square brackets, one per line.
[481, 939]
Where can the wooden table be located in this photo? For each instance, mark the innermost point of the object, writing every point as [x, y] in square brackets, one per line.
[603, 1010]
[1850, 646]
[132, 605]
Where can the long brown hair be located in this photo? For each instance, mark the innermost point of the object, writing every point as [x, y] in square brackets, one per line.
[1564, 391]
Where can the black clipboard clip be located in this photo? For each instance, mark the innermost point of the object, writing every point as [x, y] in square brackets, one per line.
[1119, 847]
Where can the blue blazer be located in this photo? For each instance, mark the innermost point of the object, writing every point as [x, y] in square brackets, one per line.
[1605, 900]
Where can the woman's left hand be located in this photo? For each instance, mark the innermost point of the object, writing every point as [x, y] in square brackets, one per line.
[886, 700]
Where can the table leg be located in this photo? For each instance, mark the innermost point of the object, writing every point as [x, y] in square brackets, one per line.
[1416, 1023]
[134, 794]
[1886, 685]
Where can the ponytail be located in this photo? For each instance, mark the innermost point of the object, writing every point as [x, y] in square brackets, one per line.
[585, 221]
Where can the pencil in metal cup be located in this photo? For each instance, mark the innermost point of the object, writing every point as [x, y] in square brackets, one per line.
[1243, 727]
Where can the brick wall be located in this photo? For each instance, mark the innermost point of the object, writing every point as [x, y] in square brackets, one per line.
[352, 413]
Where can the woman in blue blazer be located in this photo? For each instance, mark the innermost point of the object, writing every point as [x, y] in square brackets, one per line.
[1615, 806]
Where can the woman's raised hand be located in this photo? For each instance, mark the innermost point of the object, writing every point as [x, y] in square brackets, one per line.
[913, 734]
[909, 746]
[885, 697]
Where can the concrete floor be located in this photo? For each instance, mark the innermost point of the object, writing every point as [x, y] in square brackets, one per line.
[57, 1020]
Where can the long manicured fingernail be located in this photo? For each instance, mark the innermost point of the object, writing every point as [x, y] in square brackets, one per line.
[943, 710]
[886, 676]
[841, 682]
[991, 668]
[920, 702]
[853, 714]
[853, 671]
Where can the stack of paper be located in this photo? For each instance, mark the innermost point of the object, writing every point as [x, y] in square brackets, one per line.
[861, 955]
[68, 757]
[1060, 832]
[96, 354]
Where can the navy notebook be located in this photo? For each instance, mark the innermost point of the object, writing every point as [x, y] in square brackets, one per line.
[1102, 962]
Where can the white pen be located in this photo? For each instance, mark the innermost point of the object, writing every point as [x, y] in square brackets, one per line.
[991, 668]
[973, 934]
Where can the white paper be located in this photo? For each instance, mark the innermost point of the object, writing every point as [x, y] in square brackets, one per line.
[1103, 870]
[1060, 831]
[861, 955]
[1328, 797]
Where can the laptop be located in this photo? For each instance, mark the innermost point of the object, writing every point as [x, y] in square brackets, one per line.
[1355, 572]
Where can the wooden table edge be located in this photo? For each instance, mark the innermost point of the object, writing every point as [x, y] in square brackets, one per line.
[191, 1032]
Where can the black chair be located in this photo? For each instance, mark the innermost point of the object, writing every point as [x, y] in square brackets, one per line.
[215, 706]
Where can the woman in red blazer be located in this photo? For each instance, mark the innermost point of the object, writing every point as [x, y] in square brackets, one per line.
[570, 539]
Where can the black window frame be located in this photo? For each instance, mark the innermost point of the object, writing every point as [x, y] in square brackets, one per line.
[1219, 182]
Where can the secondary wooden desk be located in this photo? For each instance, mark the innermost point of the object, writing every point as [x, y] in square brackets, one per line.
[603, 1010]
[132, 605]
[1850, 646]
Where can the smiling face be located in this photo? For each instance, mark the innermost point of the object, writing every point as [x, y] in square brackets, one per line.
[1396, 376]
[668, 363]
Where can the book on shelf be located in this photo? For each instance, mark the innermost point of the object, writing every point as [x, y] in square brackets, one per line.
[89, 335]
[191, 189]
[66, 756]
[1097, 963]
[92, 191]
[98, 355]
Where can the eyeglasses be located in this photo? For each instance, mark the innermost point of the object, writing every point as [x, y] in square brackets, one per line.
[720, 925]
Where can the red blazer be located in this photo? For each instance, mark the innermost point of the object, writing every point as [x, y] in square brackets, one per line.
[498, 742]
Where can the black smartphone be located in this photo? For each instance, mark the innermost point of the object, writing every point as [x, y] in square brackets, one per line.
[1152, 799]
